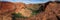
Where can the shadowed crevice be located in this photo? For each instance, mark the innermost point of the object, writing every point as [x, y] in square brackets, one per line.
[58, 18]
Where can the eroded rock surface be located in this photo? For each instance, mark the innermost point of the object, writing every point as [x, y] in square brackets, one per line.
[51, 13]
[6, 9]
[21, 8]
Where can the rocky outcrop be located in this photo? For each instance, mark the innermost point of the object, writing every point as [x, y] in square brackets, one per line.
[6, 9]
[51, 13]
[21, 8]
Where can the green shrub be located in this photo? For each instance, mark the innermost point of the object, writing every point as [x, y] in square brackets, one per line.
[34, 12]
[18, 15]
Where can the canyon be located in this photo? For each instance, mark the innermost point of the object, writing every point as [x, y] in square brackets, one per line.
[49, 10]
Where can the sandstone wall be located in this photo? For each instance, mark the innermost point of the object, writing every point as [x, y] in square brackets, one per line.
[52, 12]
[6, 9]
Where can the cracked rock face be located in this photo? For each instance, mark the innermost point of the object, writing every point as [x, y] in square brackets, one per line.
[52, 12]
[22, 10]
[6, 9]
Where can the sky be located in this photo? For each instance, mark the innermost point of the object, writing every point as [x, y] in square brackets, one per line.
[28, 1]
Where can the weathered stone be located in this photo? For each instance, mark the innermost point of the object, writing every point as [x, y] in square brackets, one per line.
[6, 9]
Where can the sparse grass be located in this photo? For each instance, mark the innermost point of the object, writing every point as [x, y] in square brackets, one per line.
[34, 12]
[18, 15]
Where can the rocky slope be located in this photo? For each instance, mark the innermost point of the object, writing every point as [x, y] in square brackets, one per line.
[21, 8]
[52, 12]
[6, 9]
